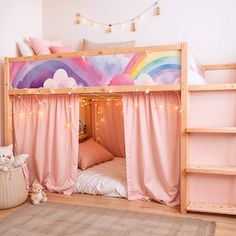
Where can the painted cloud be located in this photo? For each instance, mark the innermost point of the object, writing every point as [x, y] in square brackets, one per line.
[60, 80]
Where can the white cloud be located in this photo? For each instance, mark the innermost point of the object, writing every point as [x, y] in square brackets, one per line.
[144, 79]
[60, 80]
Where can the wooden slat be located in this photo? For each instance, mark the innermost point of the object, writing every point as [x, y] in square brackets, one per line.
[97, 90]
[184, 124]
[212, 87]
[212, 208]
[209, 169]
[7, 106]
[220, 66]
[223, 130]
[99, 52]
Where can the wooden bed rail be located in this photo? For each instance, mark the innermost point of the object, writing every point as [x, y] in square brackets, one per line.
[100, 52]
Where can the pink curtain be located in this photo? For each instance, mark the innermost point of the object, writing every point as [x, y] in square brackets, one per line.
[47, 129]
[152, 131]
[108, 125]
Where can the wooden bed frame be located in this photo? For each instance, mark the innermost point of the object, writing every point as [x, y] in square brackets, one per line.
[184, 90]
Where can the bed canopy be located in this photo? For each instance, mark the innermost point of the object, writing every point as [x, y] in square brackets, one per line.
[42, 95]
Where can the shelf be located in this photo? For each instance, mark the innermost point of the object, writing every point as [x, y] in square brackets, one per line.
[207, 169]
[212, 87]
[212, 208]
[205, 129]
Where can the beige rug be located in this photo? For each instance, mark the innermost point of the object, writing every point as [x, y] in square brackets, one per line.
[65, 220]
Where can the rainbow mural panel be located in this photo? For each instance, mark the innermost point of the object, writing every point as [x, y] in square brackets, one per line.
[103, 70]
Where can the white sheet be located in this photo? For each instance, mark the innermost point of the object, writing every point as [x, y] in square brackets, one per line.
[108, 179]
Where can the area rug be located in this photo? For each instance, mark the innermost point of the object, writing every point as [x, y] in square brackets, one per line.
[57, 219]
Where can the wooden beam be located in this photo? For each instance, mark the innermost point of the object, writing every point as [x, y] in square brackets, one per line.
[99, 52]
[209, 169]
[212, 208]
[212, 87]
[96, 90]
[217, 130]
[7, 120]
[184, 125]
[220, 66]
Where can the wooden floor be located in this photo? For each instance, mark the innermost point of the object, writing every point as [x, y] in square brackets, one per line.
[225, 225]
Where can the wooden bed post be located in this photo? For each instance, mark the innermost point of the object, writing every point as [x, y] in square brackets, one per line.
[7, 120]
[184, 125]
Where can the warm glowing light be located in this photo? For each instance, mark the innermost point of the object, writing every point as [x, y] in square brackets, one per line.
[83, 57]
[136, 104]
[161, 106]
[102, 119]
[52, 91]
[21, 114]
[147, 91]
[30, 113]
[67, 125]
[45, 101]
[40, 113]
[110, 90]
[176, 107]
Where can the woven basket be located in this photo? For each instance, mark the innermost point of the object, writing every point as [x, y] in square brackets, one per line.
[13, 188]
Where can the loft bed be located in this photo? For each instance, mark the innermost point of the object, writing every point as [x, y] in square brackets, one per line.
[181, 65]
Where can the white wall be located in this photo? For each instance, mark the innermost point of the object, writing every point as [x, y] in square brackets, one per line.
[18, 19]
[207, 25]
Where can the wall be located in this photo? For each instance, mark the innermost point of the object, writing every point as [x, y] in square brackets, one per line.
[18, 20]
[207, 25]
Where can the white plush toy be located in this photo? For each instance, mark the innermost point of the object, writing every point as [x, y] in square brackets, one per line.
[6, 157]
[19, 160]
[7, 160]
[37, 194]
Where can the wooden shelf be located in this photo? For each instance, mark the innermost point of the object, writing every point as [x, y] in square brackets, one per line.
[205, 129]
[212, 208]
[207, 169]
[212, 87]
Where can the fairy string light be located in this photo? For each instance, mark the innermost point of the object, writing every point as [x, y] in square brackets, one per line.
[80, 18]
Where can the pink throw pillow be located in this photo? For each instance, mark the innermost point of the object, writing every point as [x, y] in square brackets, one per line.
[42, 47]
[92, 153]
[56, 49]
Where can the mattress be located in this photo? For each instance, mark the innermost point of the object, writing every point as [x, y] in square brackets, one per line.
[107, 179]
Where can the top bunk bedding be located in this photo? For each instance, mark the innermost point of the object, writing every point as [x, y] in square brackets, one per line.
[141, 68]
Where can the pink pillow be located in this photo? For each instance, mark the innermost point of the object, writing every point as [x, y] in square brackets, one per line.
[55, 49]
[42, 47]
[92, 153]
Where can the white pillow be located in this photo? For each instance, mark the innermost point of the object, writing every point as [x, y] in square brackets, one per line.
[90, 45]
[19, 160]
[192, 63]
[25, 49]
[195, 78]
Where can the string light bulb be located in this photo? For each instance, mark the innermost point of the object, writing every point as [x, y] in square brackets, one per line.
[147, 91]
[109, 28]
[158, 10]
[78, 21]
[83, 57]
[133, 26]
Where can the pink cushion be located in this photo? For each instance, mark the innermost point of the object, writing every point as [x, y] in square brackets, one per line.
[92, 153]
[55, 49]
[42, 47]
